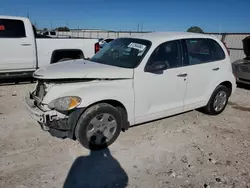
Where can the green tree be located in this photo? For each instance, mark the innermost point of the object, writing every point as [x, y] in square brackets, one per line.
[195, 29]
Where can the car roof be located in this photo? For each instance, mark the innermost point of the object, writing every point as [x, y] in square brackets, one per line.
[160, 37]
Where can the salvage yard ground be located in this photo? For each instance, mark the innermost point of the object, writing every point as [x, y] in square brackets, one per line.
[188, 150]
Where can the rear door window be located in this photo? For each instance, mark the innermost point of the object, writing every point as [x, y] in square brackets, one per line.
[218, 52]
[199, 51]
[12, 28]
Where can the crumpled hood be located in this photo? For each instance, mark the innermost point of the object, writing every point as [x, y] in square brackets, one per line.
[79, 69]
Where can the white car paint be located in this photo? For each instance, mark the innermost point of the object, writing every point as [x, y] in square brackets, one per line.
[46, 47]
[83, 69]
[146, 96]
[18, 53]
[29, 53]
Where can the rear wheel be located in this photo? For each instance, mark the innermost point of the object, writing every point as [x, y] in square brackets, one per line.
[99, 126]
[218, 101]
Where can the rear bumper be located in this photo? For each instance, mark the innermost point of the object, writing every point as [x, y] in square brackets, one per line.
[243, 77]
[243, 81]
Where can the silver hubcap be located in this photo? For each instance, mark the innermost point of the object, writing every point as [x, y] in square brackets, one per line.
[220, 101]
[101, 129]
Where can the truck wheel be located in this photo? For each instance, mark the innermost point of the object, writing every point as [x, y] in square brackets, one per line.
[218, 101]
[99, 126]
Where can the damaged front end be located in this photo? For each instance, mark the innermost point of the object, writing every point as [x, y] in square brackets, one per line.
[60, 124]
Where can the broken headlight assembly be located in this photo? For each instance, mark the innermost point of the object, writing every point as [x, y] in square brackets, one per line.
[65, 103]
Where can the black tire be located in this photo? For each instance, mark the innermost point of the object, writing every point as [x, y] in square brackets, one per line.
[209, 108]
[87, 116]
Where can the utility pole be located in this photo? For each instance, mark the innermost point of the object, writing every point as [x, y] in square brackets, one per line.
[138, 27]
[220, 29]
[141, 27]
[78, 31]
[50, 24]
[28, 15]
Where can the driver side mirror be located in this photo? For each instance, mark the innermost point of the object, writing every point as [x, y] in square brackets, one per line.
[157, 66]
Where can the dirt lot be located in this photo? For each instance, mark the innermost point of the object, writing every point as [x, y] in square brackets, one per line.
[188, 150]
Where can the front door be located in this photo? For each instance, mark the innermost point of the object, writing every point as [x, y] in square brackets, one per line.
[17, 46]
[160, 93]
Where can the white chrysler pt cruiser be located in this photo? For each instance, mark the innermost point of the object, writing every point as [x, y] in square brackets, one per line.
[131, 81]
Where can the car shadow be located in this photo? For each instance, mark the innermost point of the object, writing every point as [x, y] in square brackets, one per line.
[98, 169]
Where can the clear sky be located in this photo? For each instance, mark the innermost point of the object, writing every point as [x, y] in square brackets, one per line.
[154, 15]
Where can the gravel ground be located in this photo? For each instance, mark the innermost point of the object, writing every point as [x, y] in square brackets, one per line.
[188, 150]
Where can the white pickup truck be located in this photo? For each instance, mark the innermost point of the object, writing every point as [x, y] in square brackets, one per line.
[23, 50]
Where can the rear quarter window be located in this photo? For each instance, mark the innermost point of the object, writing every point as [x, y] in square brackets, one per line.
[12, 28]
[218, 52]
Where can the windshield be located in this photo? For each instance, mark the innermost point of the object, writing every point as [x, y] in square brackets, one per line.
[123, 52]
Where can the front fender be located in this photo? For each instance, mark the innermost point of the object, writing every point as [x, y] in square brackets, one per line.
[96, 91]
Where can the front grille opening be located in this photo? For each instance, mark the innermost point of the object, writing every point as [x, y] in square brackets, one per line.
[40, 90]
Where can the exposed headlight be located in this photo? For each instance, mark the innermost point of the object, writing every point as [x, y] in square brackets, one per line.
[65, 103]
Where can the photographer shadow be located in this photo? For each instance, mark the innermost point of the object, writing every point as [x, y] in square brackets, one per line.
[99, 169]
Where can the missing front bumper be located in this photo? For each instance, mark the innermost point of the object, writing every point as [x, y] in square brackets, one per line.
[57, 124]
[43, 117]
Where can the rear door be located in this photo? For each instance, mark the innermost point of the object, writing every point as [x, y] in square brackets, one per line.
[203, 67]
[17, 45]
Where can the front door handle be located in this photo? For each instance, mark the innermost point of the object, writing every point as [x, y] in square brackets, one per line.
[25, 44]
[216, 69]
[182, 75]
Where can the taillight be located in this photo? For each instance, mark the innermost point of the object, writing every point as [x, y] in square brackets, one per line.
[2, 28]
[225, 44]
[97, 47]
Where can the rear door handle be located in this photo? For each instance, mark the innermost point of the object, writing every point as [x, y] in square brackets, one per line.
[216, 69]
[182, 75]
[25, 44]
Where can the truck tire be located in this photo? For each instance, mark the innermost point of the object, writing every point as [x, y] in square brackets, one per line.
[99, 126]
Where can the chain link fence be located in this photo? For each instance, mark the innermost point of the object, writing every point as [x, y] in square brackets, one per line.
[98, 34]
[232, 40]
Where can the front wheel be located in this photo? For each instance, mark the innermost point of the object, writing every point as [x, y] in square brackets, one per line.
[99, 126]
[218, 101]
